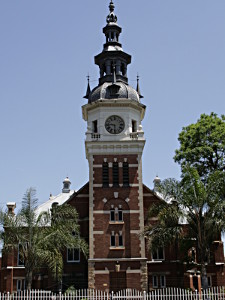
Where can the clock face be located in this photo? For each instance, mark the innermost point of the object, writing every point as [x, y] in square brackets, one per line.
[114, 124]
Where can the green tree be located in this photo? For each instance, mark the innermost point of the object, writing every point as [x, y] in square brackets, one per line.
[41, 238]
[202, 145]
[191, 201]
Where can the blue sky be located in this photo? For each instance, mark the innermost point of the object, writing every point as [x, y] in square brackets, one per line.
[47, 49]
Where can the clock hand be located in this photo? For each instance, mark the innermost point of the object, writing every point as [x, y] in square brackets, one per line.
[114, 125]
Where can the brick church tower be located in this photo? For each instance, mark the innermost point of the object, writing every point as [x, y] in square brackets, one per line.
[114, 145]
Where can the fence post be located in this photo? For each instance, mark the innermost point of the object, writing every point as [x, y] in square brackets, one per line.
[8, 296]
[60, 295]
[112, 295]
[197, 294]
[144, 294]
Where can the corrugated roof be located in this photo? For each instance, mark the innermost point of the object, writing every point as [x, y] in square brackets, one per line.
[60, 199]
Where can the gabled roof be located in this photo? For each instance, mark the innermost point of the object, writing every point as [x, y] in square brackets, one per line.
[82, 189]
[60, 199]
[154, 193]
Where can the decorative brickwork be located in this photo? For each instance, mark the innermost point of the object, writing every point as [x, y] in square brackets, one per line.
[144, 276]
[91, 275]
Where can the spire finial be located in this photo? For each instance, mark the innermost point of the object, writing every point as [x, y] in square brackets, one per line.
[88, 87]
[111, 18]
[138, 87]
[111, 6]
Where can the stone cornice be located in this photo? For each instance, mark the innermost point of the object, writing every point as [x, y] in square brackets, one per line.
[113, 103]
[120, 147]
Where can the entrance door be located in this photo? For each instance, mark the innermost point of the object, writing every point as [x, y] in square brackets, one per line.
[118, 281]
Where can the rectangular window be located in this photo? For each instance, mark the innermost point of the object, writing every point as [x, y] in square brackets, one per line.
[20, 258]
[115, 174]
[120, 240]
[95, 126]
[112, 215]
[125, 174]
[120, 215]
[154, 281]
[158, 254]
[134, 126]
[163, 281]
[209, 281]
[113, 241]
[19, 284]
[73, 255]
[105, 174]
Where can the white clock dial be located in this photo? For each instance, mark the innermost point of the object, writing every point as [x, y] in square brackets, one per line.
[114, 124]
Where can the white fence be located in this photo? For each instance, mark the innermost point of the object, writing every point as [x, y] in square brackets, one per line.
[216, 293]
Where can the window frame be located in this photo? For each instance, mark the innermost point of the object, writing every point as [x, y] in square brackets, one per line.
[112, 240]
[164, 280]
[19, 285]
[105, 174]
[120, 215]
[112, 215]
[20, 259]
[155, 280]
[73, 260]
[134, 126]
[115, 174]
[126, 180]
[120, 240]
[209, 279]
[95, 126]
[158, 258]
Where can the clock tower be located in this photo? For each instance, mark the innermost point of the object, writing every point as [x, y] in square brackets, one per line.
[114, 145]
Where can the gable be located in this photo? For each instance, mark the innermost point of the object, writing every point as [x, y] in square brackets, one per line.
[149, 198]
[80, 200]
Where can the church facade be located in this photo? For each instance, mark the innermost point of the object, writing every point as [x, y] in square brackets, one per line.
[113, 205]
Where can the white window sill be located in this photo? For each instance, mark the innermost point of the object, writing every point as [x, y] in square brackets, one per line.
[117, 248]
[116, 222]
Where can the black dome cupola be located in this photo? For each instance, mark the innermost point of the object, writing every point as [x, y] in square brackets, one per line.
[112, 62]
[112, 59]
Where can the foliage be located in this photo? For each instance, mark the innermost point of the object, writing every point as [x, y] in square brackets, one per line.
[200, 204]
[41, 238]
[202, 145]
[71, 290]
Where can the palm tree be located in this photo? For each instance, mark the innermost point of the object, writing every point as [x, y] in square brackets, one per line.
[191, 201]
[41, 238]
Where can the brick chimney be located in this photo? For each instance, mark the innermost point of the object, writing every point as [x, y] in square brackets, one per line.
[11, 207]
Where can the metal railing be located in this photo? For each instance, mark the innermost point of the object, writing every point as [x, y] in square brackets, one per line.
[215, 293]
